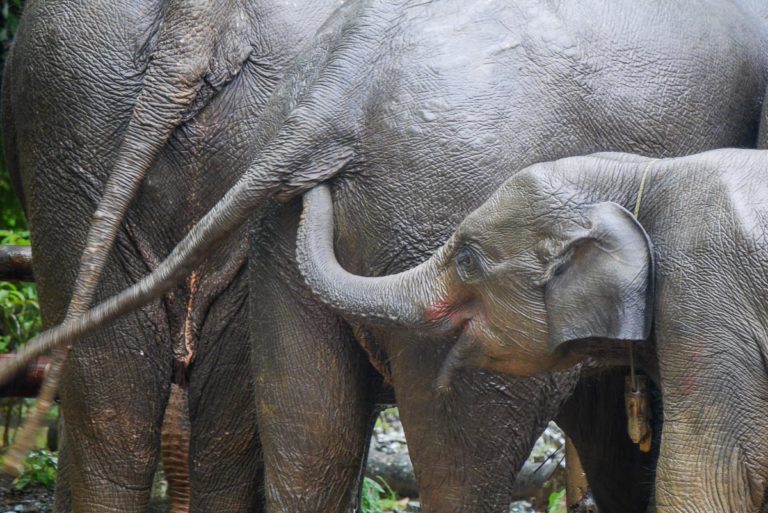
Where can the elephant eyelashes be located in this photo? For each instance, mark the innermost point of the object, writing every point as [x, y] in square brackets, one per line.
[468, 264]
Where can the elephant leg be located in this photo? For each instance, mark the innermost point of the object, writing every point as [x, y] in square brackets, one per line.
[114, 394]
[226, 469]
[619, 474]
[714, 448]
[175, 448]
[314, 392]
[468, 443]
[702, 468]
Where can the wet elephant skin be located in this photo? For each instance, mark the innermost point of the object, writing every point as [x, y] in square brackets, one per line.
[415, 110]
[74, 78]
[683, 280]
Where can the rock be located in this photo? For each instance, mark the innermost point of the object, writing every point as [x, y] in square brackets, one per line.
[413, 507]
[521, 507]
[394, 468]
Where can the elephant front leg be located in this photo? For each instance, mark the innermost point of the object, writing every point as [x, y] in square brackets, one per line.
[314, 402]
[702, 469]
[714, 444]
[467, 444]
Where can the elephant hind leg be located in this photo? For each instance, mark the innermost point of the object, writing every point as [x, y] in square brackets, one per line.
[113, 404]
[225, 462]
[315, 389]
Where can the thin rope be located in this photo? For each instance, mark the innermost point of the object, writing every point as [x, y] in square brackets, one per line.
[638, 203]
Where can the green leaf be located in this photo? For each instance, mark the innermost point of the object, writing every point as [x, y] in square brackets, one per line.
[39, 468]
[557, 502]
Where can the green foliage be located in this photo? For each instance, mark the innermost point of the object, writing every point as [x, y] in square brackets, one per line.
[11, 11]
[14, 237]
[19, 315]
[11, 216]
[557, 502]
[39, 468]
[376, 498]
[384, 419]
[19, 308]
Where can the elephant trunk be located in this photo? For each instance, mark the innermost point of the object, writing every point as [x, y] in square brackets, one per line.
[411, 298]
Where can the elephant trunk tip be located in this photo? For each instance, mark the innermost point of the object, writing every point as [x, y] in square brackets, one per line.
[443, 386]
[458, 356]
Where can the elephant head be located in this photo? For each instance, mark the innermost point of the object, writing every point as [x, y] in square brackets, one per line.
[525, 279]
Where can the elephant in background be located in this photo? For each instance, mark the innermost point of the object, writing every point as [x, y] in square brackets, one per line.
[554, 270]
[414, 110]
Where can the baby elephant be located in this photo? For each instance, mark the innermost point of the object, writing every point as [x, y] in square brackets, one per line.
[554, 269]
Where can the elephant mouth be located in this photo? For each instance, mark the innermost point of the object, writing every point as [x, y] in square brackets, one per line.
[453, 314]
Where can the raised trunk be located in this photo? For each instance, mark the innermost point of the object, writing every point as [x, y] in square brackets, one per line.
[404, 299]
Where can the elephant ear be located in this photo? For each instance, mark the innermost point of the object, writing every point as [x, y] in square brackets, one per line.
[601, 284]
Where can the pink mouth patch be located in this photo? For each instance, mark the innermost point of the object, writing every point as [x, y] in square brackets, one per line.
[454, 312]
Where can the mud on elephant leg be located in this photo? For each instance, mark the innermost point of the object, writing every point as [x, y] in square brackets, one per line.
[619, 474]
[314, 392]
[467, 444]
[112, 434]
[226, 467]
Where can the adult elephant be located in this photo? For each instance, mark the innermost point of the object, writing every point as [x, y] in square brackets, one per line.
[555, 269]
[96, 95]
[414, 110]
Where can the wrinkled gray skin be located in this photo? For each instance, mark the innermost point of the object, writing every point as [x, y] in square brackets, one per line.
[115, 89]
[554, 269]
[412, 107]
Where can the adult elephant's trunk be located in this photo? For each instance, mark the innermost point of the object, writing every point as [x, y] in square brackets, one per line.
[411, 298]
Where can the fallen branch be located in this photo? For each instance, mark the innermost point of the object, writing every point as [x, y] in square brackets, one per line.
[26, 383]
[16, 263]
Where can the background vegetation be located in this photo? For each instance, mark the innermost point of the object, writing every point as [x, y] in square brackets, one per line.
[19, 310]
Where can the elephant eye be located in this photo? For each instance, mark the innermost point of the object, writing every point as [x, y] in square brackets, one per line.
[468, 264]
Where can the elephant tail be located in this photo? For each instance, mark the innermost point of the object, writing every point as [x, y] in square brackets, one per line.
[178, 73]
[311, 128]
[175, 448]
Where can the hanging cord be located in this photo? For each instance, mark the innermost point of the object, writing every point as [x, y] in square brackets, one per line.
[636, 213]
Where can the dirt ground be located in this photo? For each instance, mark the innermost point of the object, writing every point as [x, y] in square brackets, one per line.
[33, 499]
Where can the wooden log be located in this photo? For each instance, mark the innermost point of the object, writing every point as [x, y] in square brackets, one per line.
[28, 383]
[16, 263]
